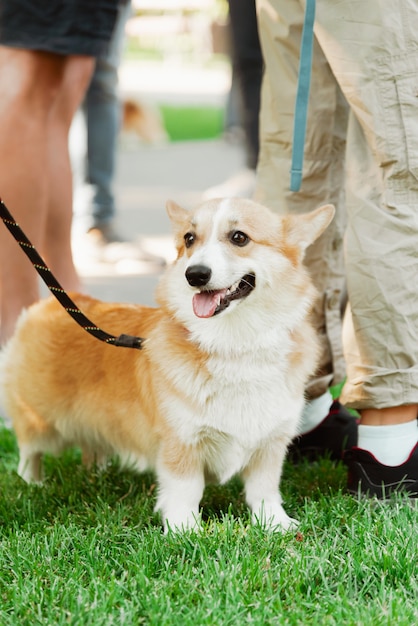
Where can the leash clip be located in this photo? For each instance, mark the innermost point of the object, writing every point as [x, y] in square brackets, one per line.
[129, 341]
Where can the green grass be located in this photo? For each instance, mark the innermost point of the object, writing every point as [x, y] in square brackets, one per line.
[86, 548]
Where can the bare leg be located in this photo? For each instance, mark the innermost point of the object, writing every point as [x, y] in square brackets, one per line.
[40, 92]
[28, 83]
[57, 242]
[386, 417]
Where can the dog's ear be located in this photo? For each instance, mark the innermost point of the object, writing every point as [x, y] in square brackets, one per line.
[302, 230]
[176, 213]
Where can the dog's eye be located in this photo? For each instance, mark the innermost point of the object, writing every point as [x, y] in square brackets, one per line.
[238, 238]
[189, 239]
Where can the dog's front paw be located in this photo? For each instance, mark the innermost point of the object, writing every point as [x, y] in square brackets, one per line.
[273, 517]
[178, 500]
[180, 522]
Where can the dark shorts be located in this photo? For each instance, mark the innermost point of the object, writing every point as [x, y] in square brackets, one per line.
[61, 26]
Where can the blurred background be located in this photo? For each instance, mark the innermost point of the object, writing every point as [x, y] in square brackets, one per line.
[180, 136]
[177, 59]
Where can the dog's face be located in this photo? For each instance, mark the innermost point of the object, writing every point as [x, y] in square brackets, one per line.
[235, 251]
[217, 248]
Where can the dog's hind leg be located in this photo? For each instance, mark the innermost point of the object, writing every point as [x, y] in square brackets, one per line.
[30, 464]
[94, 459]
[262, 479]
[34, 437]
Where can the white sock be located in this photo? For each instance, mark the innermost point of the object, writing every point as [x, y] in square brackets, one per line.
[391, 445]
[315, 412]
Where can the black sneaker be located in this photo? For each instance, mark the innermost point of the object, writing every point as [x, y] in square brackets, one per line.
[336, 433]
[366, 476]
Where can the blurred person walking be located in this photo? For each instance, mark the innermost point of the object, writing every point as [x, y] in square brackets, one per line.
[247, 72]
[95, 130]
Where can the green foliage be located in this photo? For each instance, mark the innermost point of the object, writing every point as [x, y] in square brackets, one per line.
[192, 122]
[87, 548]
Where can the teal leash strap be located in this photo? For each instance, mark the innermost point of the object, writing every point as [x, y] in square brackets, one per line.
[302, 97]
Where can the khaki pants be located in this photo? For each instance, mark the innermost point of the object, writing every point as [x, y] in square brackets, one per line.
[361, 154]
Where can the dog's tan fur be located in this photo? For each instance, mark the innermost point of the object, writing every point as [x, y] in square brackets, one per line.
[205, 398]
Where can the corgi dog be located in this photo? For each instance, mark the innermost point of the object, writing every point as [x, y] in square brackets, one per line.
[218, 388]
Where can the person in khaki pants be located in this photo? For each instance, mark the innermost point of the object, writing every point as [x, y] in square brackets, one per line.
[361, 154]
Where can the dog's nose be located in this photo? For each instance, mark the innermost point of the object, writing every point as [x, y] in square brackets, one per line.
[198, 275]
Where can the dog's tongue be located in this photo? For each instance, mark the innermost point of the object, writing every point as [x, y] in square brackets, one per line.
[205, 303]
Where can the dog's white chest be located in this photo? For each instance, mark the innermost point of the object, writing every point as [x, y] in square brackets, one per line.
[245, 401]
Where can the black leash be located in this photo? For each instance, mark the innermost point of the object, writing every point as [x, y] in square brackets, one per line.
[124, 341]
